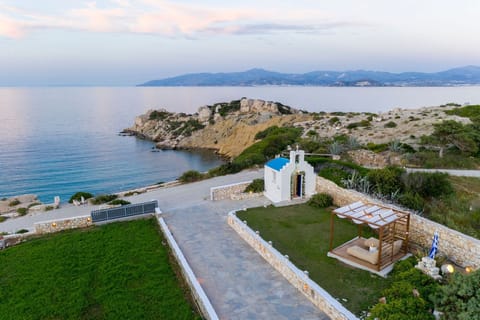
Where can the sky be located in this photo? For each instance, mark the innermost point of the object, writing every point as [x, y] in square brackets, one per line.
[126, 42]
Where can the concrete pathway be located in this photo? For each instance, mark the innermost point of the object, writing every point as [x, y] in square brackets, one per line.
[239, 283]
[453, 172]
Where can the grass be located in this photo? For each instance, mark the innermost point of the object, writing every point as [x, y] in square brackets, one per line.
[303, 232]
[116, 271]
[460, 211]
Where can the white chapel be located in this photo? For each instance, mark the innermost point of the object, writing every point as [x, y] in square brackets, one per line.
[287, 179]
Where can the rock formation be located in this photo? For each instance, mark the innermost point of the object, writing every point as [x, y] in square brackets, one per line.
[228, 128]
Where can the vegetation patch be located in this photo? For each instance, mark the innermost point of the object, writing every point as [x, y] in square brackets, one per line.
[191, 176]
[116, 271]
[22, 211]
[257, 185]
[320, 200]
[78, 196]
[104, 198]
[14, 203]
[119, 202]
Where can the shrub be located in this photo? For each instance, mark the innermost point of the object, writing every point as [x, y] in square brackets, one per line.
[14, 203]
[49, 208]
[158, 115]
[321, 200]
[191, 176]
[459, 298]
[78, 196]
[428, 184]
[22, 211]
[2, 218]
[377, 147]
[22, 231]
[386, 181]
[119, 202]
[33, 204]
[401, 303]
[390, 124]
[257, 185]
[412, 200]
[333, 120]
[104, 198]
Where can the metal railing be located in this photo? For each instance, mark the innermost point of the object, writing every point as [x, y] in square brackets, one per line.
[124, 211]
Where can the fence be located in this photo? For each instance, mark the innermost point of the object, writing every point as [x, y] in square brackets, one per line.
[124, 211]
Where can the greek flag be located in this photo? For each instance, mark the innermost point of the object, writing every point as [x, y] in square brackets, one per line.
[433, 250]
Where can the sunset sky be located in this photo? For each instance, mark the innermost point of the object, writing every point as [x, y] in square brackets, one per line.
[125, 42]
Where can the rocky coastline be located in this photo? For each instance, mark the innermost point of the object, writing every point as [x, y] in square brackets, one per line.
[229, 128]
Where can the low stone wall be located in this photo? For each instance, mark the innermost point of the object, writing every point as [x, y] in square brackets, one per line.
[226, 191]
[458, 247]
[371, 159]
[62, 224]
[245, 196]
[319, 297]
[199, 295]
[13, 239]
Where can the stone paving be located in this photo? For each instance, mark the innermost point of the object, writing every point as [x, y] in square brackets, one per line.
[239, 283]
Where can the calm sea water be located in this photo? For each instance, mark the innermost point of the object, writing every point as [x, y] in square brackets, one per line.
[56, 141]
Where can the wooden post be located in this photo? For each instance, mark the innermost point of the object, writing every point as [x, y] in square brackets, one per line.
[360, 230]
[380, 240]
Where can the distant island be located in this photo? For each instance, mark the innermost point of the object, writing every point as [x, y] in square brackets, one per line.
[468, 75]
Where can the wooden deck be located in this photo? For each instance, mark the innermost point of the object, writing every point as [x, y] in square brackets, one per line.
[340, 253]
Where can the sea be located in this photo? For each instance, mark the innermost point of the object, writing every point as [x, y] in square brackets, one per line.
[55, 141]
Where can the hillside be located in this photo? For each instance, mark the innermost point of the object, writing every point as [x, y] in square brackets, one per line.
[229, 128]
[467, 75]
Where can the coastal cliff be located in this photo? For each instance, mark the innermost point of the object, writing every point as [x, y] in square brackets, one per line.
[228, 127]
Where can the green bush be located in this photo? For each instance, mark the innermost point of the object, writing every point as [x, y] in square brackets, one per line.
[377, 147]
[33, 204]
[320, 200]
[386, 181]
[401, 303]
[49, 208]
[158, 115]
[334, 174]
[78, 196]
[22, 231]
[390, 124]
[459, 299]
[22, 211]
[428, 184]
[191, 176]
[104, 198]
[14, 203]
[333, 120]
[412, 200]
[257, 185]
[119, 202]
[2, 218]
[275, 141]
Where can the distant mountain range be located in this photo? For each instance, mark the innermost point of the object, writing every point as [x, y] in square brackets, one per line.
[468, 75]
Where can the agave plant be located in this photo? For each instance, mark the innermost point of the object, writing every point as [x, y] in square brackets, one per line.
[335, 148]
[395, 145]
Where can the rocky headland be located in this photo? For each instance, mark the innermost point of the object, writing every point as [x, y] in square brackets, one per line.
[229, 128]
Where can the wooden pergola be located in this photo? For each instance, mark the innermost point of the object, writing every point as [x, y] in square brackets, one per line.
[391, 224]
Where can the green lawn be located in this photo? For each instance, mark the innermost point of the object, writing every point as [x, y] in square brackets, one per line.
[303, 232]
[116, 271]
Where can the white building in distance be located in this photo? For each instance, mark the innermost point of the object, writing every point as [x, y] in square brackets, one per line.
[287, 179]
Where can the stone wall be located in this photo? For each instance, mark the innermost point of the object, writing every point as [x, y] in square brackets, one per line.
[199, 295]
[369, 158]
[458, 247]
[62, 224]
[226, 191]
[319, 297]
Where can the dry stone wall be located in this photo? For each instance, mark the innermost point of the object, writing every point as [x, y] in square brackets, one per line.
[227, 191]
[63, 224]
[318, 296]
[458, 247]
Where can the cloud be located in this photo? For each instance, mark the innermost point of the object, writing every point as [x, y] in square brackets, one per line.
[165, 18]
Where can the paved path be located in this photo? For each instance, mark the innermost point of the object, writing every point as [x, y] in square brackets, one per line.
[453, 172]
[239, 282]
